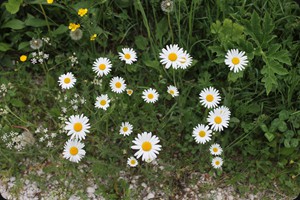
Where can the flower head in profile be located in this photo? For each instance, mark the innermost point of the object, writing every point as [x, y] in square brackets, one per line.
[185, 60]
[117, 84]
[129, 92]
[67, 81]
[210, 97]
[202, 133]
[173, 91]
[73, 26]
[77, 126]
[128, 55]
[150, 95]
[102, 102]
[219, 118]
[147, 146]
[102, 66]
[132, 162]
[73, 150]
[93, 37]
[217, 162]
[215, 149]
[126, 128]
[171, 56]
[236, 60]
[82, 12]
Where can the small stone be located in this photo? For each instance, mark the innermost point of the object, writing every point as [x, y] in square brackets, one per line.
[150, 195]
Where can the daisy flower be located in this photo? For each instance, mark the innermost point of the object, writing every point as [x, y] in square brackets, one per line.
[102, 66]
[215, 149]
[128, 55]
[102, 102]
[185, 60]
[217, 162]
[73, 150]
[147, 146]
[117, 84]
[129, 92]
[236, 60]
[132, 162]
[126, 128]
[219, 118]
[150, 95]
[171, 56]
[172, 90]
[67, 81]
[202, 134]
[210, 97]
[77, 126]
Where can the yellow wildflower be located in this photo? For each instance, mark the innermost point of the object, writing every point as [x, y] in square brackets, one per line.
[74, 26]
[50, 1]
[82, 11]
[23, 58]
[93, 37]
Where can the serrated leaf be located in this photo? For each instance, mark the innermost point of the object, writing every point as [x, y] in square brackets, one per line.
[269, 136]
[217, 49]
[215, 27]
[219, 60]
[14, 24]
[13, 6]
[255, 27]
[273, 48]
[268, 25]
[279, 69]
[233, 77]
[282, 56]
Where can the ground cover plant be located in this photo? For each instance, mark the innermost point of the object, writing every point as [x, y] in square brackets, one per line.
[100, 92]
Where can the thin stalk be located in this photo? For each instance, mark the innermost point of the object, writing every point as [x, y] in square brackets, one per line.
[46, 18]
[170, 26]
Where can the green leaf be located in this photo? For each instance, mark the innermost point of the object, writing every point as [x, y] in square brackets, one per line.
[233, 77]
[269, 136]
[23, 45]
[264, 128]
[141, 42]
[282, 56]
[14, 24]
[255, 27]
[273, 48]
[215, 27]
[60, 30]
[161, 28]
[4, 47]
[277, 68]
[13, 6]
[35, 22]
[268, 24]
[17, 103]
[294, 142]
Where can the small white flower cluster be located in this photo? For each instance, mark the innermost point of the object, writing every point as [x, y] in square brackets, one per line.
[17, 141]
[46, 137]
[3, 111]
[39, 57]
[97, 81]
[74, 102]
[46, 40]
[73, 59]
[4, 88]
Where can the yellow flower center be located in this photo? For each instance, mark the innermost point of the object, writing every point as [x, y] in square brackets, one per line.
[127, 56]
[146, 146]
[23, 58]
[150, 96]
[172, 92]
[67, 80]
[217, 162]
[183, 60]
[218, 120]
[77, 126]
[125, 129]
[172, 56]
[102, 66]
[215, 149]
[202, 133]
[73, 151]
[132, 162]
[129, 92]
[209, 98]
[118, 84]
[102, 102]
[235, 60]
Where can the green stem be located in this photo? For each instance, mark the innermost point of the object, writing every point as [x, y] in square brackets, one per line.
[171, 30]
[46, 18]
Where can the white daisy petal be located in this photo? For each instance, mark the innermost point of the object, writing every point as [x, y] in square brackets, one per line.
[217, 162]
[126, 128]
[173, 56]
[202, 133]
[117, 84]
[150, 95]
[132, 162]
[77, 126]
[73, 150]
[173, 91]
[67, 81]
[215, 149]
[128, 55]
[236, 60]
[210, 97]
[102, 66]
[102, 102]
[219, 118]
